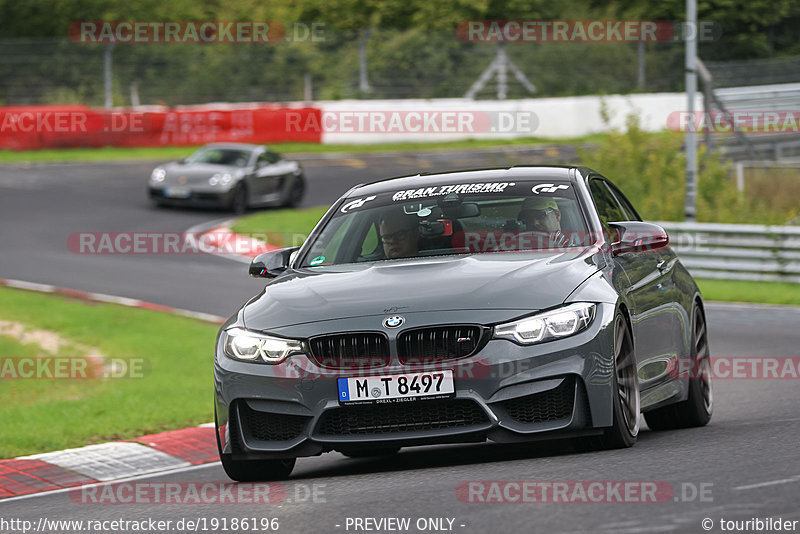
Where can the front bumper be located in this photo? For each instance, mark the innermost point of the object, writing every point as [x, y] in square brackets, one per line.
[197, 197]
[504, 393]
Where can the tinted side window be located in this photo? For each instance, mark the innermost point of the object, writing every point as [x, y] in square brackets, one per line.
[626, 205]
[608, 208]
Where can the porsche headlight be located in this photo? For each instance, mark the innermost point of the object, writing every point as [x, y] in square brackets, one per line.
[249, 346]
[547, 326]
[223, 178]
[158, 174]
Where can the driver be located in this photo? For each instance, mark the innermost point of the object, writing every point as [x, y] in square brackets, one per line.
[541, 214]
[399, 234]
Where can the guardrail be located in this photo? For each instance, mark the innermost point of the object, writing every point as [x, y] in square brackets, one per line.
[737, 251]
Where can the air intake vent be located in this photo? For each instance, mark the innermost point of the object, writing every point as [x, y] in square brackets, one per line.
[267, 426]
[366, 350]
[552, 405]
[428, 345]
[394, 418]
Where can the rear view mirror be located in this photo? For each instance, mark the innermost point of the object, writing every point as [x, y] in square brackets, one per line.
[431, 228]
[462, 211]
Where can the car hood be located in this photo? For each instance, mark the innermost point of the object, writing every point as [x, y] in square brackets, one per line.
[195, 173]
[517, 282]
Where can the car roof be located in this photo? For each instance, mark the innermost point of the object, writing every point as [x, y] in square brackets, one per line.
[494, 174]
[238, 146]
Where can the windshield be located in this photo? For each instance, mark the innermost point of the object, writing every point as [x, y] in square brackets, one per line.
[451, 219]
[221, 156]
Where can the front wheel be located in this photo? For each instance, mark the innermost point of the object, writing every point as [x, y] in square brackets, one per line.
[696, 410]
[296, 192]
[256, 470]
[625, 428]
[238, 203]
[252, 470]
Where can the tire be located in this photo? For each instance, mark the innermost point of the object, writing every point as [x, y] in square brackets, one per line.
[624, 430]
[698, 407]
[252, 470]
[369, 453]
[238, 203]
[295, 195]
[257, 470]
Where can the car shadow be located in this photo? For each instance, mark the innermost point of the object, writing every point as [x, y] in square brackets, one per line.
[413, 458]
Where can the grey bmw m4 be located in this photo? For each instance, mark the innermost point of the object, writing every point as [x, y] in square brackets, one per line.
[509, 305]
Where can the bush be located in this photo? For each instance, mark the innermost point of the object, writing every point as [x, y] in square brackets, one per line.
[650, 168]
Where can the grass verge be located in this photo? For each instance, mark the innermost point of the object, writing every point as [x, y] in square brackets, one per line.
[173, 390]
[747, 291]
[175, 152]
[284, 221]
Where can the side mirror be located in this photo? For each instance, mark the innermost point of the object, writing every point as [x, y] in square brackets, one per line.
[635, 236]
[271, 264]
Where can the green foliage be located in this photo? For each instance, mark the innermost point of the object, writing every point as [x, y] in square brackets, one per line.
[787, 293]
[413, 50]
[650, 168]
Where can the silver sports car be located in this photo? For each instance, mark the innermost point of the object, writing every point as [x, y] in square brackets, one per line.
[235, 176]
[503, 304]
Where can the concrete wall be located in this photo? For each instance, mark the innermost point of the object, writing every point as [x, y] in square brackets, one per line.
[555, 118]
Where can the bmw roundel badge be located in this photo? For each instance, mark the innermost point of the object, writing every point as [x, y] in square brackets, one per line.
[394, 321]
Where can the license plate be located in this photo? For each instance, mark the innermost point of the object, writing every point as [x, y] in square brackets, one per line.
[396, 388]
[177, 192]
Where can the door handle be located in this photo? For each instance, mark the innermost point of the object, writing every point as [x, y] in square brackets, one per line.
[662, 265]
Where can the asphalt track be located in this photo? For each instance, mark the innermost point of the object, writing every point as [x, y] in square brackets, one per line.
[743, 465]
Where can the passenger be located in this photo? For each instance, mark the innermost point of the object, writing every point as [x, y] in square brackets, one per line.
[541, 214]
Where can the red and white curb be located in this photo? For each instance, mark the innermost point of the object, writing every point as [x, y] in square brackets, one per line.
[153, 453]
[112, 299]
[225, 243]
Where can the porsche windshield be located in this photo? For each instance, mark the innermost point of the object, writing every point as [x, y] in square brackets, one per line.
[451, 219]
[221, 156]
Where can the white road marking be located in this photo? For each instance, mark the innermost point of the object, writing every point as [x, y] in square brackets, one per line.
[789, 480]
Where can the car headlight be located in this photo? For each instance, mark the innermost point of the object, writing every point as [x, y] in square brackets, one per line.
[222, 178]
[547, 326]
[158, 174]
[249, 346]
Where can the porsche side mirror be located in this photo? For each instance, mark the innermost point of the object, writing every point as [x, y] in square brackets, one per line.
[271, 264]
